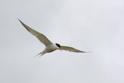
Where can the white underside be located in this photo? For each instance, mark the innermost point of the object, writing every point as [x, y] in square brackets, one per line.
[48, 49]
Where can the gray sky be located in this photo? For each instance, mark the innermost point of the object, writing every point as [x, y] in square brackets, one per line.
[89, 25]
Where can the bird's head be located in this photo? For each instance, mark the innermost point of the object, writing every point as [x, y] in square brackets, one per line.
[58, 45]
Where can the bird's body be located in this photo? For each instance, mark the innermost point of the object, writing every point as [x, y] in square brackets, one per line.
[50, 47]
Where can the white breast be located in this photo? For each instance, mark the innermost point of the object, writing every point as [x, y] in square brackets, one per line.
[52, 46]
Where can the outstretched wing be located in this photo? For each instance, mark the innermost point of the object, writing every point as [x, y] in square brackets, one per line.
[71, 49]
[37, 34]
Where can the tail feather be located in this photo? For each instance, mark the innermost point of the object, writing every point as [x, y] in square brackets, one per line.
[41, 53]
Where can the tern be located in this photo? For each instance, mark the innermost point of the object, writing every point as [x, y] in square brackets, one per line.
[50, 47]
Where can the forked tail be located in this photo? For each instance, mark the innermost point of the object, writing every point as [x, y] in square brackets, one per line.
[41, 53]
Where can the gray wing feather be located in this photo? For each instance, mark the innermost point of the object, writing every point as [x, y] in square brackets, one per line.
[37, 34]
[71, 49]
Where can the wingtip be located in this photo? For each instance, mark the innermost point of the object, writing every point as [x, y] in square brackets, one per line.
[85, 51]
[25, 26]
[20, 21]
[18, 18]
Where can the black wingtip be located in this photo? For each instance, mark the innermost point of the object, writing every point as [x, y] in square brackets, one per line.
[20, 21]
[26, 26]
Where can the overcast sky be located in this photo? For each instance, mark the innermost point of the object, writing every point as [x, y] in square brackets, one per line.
[90, 25]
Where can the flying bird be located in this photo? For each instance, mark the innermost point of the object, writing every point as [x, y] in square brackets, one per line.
[50, 46]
